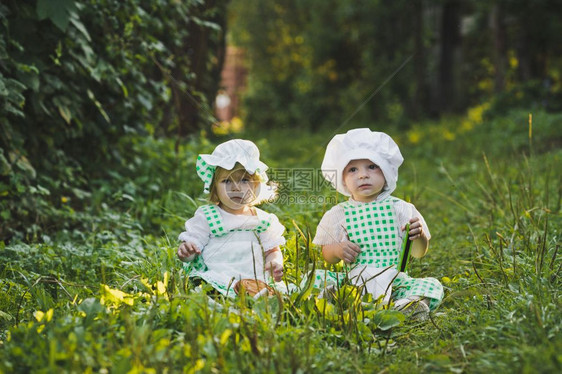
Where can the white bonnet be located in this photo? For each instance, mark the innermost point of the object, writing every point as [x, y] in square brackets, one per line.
[359, 144]
[226, 155]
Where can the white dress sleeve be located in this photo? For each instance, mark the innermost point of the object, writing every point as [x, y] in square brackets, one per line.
[273, 236]
[406, 211]
[331, 228]
[196, 230]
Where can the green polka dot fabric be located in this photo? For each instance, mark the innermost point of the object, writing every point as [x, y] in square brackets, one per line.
[205, 172]
[405, 286]
[216, 226]
[214, 220]
[374, 227]
[325, 278]
[197, 267]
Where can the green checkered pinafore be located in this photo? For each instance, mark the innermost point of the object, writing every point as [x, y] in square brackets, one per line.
[374, 227]
[230, 255]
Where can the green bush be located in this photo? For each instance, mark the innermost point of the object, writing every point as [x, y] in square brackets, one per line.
[76, 78]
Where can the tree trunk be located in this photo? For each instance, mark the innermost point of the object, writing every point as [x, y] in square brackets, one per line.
[500, 51]
[195, 105]
[450, 36]
[421, 95]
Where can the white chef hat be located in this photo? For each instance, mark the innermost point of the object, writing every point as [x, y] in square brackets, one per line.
[226, 155]
[360, 144]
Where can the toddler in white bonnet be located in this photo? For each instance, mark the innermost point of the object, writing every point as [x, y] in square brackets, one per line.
[367, 230]
[230, 240]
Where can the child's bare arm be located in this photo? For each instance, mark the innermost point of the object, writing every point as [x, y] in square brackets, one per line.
[187, 251]
[346, 251]
[274, 263]
[420, 242]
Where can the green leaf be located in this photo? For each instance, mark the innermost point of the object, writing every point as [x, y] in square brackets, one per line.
[99, 106]
[65, 114]
[387, 319]
[6, 316]
[201, 22]
[5, 214]
[309, 285]
[79, 26]
[58, 11]
[3, 90]
[23, 163]
[5, 167]
[91, 307]
[13, 110]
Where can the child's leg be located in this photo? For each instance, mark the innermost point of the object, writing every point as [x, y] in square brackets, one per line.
[428, 289]
[415, 307]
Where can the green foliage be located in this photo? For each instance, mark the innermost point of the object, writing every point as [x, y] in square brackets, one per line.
[76, 77]
[57, 11]
[318, 63]
[115, 299]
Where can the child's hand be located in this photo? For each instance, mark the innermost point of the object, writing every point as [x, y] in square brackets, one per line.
[187, 251]
[416, 229]
[349, 251]
[335, 252]
[276, 270]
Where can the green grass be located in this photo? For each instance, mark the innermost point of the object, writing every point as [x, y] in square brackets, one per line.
[491, 196]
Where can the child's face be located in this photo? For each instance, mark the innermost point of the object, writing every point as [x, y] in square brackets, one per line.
[364, 180]
[236, 190]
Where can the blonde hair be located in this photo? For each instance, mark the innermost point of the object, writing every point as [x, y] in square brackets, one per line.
[237, 171]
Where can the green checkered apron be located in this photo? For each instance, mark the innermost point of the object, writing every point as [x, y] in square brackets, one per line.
[230, 255]
[374, 227]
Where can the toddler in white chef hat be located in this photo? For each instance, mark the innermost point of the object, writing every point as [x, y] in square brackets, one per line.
[367, 230]
[230, 239]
